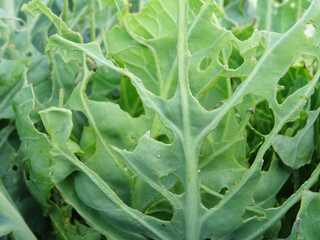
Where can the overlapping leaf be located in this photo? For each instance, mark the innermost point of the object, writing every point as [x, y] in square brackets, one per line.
[185, 117]
[11, 220]
[307, 220]
[196, 161]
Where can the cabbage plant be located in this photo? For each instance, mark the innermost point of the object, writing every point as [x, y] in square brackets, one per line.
[160, 119]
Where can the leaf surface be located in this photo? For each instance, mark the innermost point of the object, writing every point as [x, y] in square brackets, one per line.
[190, 153]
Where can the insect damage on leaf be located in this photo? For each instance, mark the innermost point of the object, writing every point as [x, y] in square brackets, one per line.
[309, 30]
[94, 65]
[188, 129]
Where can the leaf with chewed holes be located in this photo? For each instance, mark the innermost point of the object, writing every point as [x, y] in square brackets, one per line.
[171, 68]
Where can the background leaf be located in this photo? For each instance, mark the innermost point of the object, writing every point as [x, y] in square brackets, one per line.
[153, 114]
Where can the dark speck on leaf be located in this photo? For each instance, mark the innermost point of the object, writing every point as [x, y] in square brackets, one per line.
[251, 110]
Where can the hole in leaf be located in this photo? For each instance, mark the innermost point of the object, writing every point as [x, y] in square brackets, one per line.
[161, 209]
[235, 60]
[290, 129]
[298, 75]
[224, 54]
[309, 30]
[259, 52]
[57, 8]
[235, 83]
[26, 171]
[223, 190]
[56, 197]
[130, 100]
[79, 122]
[22, 16]
[14, 167]
[286, 191]
[315, 98]
[40, 127]
[252, 139]
[216, 95]
[163, 138]
[173, 184]
[255, 140]
[4, 123]
[205, 63]
[288, 220]
[267, 159]
[225, 144]
[245, 32]
[262, 118]
[230, 56]
[14, 140]
[114, 95]
[219, 93]
[28, 54]
[178, 188]
[209, 200]
[161, 133]
[104, 85]
[77, 218]
[222, 159]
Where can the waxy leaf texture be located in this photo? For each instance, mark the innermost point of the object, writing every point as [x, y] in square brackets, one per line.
[161, 119]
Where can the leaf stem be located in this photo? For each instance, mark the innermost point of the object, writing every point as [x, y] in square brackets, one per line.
[79, 16]
[61, 97]
[92, 20]
[65, 10]
[269, 19]
[192, 227]
[140, 5]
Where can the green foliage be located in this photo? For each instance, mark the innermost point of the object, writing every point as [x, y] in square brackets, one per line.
[159, 119]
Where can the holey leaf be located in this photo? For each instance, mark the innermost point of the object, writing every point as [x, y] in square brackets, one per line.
[308, 221]
[177, 57]
[297, 151]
